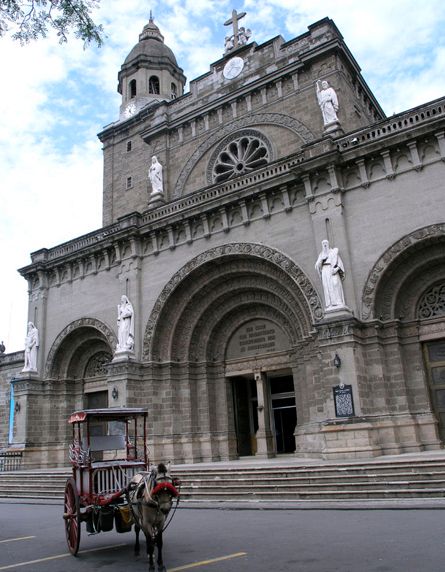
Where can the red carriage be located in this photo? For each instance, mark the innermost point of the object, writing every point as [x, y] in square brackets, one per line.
[109, 449]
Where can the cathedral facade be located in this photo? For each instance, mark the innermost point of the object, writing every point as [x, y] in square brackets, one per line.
[270, 274]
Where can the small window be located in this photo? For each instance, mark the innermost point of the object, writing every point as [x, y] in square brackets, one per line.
[132, 87]
[174, 91]
[128, 146]
[153, 85]
[129, 182]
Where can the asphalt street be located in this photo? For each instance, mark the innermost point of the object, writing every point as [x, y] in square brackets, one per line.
[32, 539]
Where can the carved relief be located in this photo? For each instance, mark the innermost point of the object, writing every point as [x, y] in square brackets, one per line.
[96, 365]
[432, 303]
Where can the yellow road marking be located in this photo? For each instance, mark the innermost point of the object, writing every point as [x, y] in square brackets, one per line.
[57, 557]
[205, 562]
[15, 539]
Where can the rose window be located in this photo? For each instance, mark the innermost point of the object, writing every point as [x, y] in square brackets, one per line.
[432, 302]
[240, 156]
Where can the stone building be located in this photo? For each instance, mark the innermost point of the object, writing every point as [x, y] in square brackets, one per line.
[236, 347]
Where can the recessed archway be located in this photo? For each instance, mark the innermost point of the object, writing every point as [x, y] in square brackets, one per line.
[214, 293]
[403, 272]
[77, 347]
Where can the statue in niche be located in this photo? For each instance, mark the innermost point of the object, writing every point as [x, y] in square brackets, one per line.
[31, 345]
[125, 326]
[328, 102]
[330, 268]
[155, 176]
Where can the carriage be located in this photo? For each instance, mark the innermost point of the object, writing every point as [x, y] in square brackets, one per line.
[108, 451]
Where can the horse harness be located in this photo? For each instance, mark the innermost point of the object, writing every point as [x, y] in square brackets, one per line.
[152, 486]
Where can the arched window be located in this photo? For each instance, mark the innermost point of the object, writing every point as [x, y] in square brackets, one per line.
[153, 84]
[173, 91]
[432, 303]
[132, 87]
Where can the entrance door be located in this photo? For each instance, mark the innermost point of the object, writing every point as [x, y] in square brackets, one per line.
[284, 412]
[435, 362]
[246, 415]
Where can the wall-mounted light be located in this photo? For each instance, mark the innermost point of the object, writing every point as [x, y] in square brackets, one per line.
[17, 407]
[337, 361]
[115, 393]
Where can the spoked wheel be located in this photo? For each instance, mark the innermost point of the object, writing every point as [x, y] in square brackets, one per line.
[71, 516]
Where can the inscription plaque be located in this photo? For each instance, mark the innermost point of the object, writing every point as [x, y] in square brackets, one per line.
[257, 337]
[344, 403]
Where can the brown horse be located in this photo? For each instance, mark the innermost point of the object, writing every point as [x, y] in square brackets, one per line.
[150, 495]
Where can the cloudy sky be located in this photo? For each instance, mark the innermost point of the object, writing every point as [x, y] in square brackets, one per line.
[55, 98]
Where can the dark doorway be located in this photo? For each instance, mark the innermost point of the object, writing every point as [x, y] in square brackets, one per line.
[284, 412]
[434, 353]
[246, 416]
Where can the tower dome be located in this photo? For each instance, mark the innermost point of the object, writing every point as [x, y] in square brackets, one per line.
[149, 73]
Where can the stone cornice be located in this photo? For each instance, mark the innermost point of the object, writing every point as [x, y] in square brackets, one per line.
[394, 129]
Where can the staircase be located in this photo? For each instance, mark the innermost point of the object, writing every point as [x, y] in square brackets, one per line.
[401, 477]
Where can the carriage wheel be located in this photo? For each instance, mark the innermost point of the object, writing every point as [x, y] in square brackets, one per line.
[72, 516]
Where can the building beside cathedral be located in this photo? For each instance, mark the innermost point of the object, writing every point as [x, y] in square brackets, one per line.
[274, 248]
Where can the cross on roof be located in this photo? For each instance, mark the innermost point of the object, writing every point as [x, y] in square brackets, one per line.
[234, 20]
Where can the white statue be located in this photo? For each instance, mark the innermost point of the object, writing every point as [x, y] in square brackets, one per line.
[228, 43]
[125, 326]
[31, 345]
[328, 102]
[331, 271]
[155, 176]
[243, 35]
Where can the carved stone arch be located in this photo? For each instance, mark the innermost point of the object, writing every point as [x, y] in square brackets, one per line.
[248, 121]
[224, 277]
[217, 344]
[214, 318]
[247, 289]
[75, 346]
[403, 272]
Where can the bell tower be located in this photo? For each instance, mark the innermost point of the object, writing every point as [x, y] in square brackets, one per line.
[149, 73]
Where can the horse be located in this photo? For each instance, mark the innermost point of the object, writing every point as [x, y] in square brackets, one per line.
[150, 496]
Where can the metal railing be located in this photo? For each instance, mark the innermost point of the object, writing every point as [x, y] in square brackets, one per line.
[10, 460]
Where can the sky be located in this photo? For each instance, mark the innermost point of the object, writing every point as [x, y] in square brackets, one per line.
[55, 98]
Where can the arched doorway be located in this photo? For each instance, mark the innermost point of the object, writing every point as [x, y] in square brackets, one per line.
[198, 327]
[405, 291]
[264, 341]
[77, 360]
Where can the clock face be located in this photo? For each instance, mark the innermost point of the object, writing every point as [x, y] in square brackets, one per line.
[130, 109]
[233, 68]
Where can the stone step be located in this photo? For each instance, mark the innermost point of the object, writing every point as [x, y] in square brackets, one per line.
[319, 495]
[411, 478]
[236, 484]
[224, 479]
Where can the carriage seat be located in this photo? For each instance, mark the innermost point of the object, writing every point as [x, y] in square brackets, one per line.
[107, 442]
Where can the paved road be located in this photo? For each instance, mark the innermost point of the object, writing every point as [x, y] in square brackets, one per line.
[32, 540]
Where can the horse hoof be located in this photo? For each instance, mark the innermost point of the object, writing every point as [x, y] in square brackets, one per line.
[151, 569]
[162, 568]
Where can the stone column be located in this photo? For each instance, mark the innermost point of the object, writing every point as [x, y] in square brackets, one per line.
[264, 436]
